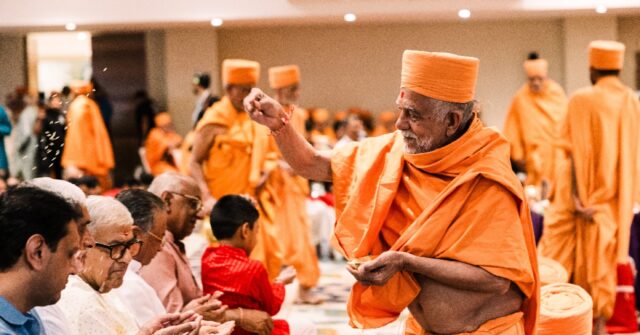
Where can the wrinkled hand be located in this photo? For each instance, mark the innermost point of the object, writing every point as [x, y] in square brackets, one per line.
[209, 327]
[255, 321]
[287, 275]
[208, 306]
[264, 109]
[378, 271]
[586, 213]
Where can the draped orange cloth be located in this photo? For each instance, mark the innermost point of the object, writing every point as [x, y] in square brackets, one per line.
[532, 127]
[158, 147]
[291, 217]
[185, 153]
[87, 145]
[236, 164]
[601, 137]
[236, 158]
[460, 202]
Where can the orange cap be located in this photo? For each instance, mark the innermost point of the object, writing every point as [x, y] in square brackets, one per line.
[536, 67]
[283, 76]
[320, 115]
[439, 75]
[606, 55]
[80, 87]
[240, 72]
[162, 119]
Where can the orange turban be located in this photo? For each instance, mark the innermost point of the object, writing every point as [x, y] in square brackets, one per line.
[320, 115]
[565, 309]
[536, 67]
[80, 87]
[551, 271]
[606, 55]
[283, 76]
[439, 75]
[162, 119]
[240, 72]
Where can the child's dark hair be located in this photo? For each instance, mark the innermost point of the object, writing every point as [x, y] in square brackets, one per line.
[230, 213]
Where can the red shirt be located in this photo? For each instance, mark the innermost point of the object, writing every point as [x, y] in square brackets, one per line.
[245, 283]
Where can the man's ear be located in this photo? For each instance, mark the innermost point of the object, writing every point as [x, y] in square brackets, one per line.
[453, 121]
[36, 252]
[167, 198]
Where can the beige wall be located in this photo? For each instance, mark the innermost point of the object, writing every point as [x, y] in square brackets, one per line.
[187, 51]
[156, 74]
[629, 34]
[12, 64]
[344, 66]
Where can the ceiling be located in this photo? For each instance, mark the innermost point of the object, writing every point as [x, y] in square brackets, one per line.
[47, 15]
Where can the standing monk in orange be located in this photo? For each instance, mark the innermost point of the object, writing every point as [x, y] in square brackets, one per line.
[588, 225]
[229, 156]
[291, 215]
[433, 210]
[160, 145]
[533, 124]
[87, 146]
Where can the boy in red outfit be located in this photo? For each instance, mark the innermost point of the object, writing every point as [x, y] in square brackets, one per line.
[227, 267]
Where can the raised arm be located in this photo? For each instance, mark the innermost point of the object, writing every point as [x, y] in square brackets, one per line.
[301, 156]
[202, 143]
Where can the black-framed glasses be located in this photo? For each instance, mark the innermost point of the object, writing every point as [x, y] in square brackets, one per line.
[194, 202]
[117, 250]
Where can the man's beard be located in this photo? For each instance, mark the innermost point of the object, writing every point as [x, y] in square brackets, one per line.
[419, 145]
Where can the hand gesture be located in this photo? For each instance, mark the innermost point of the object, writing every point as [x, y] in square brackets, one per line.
[286, 276]
[255, 321]
[378, 271]
[264, 109]
[208, 306]
[586, 213]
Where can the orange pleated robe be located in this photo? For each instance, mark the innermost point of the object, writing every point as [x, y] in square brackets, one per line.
[236, 163]
[460, 202]
[291, 217]
[601, 136]
[157, 145]
[87, 145]
[532, 127]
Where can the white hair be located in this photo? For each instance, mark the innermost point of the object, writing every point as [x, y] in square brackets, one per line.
[171, 182]
[107, 211]
[69, 192]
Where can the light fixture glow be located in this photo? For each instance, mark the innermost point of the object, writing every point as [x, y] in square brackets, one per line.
[464, 13]
[82, 36]
[601, 9]
[217, 22]
[70, 26]
[350, 17]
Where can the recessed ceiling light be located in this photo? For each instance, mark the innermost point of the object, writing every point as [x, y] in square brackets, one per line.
[601, 9]
[217, 22]
[350, 17]
[464, 13]
[70, 26]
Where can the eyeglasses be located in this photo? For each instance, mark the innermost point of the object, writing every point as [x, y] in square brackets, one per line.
[157, 238]
[194, 202]
[117, 250]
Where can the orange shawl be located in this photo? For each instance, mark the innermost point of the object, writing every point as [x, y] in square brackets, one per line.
[461, 223]
[157, 143]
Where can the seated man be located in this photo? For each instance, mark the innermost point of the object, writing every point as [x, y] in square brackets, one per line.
[150, 222]
[38, 244]
[227, 267]
[161, 142]
[169, 273]
[84, 303]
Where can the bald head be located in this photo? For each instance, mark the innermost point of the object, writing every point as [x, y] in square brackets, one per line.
[172, 182]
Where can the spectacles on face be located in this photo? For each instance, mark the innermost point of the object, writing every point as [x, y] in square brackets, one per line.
[157, 238]
[117, 250]
[194, 202]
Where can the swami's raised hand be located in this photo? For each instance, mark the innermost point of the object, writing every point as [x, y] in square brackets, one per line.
[264, 109]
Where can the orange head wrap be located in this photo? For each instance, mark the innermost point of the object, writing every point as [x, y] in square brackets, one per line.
[441, 76]
[240, 72]
[606, 55]
[387, 116]
[80, 87]
[320, 115]
[162, 119]
[283, 76]
[536, 67]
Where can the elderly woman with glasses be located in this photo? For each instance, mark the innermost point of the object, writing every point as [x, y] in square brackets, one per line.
[87, 307]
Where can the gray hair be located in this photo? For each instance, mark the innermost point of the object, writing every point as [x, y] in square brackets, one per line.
[171, 182]
[69, 192]
[107, 211]
[468, 109]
